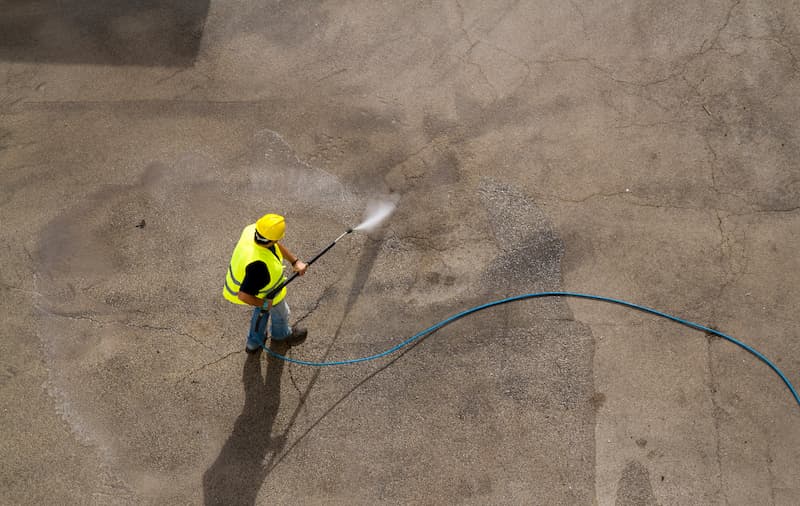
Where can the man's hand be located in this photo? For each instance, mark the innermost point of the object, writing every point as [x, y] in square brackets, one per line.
[299, 267]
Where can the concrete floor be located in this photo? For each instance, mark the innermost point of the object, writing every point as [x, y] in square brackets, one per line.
[643, 150]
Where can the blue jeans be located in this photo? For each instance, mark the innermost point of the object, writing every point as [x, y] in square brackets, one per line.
[279, 330]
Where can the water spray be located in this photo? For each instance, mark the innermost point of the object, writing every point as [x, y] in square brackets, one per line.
[375, 213]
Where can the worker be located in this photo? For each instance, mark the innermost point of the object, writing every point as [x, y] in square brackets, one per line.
[255, 271]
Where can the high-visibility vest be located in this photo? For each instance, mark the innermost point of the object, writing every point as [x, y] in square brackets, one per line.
[246, 252]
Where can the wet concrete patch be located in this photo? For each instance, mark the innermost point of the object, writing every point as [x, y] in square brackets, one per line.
[124, 330]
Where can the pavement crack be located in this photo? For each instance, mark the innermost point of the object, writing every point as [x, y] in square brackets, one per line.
[726, 254]
[647, 125]
[485, 76]
[294, 381]
[7, 104]
[171, 75]
[72, 316]
[277, 460]
[207, 365]
[713, 164]
[12, 288]
[706, 46]
[525, 63]
[609, 73]
[788, 210]
[437, 142]
[466, 57]
[101, 323]
[317, 303]
[714, 170]
[770, 472]
[583, 17]
[461, 22]
[779, 42]
[332, 74]
[171, 330]
[722, 28]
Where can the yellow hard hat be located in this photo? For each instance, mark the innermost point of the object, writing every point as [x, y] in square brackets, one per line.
[271, 226]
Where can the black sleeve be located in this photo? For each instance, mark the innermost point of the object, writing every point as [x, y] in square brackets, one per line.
[256, 277]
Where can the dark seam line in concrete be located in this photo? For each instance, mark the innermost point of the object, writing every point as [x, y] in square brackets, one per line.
[770, 473]
[332, 74]
[716, 410]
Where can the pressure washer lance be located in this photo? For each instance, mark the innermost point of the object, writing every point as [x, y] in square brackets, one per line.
[280, 287]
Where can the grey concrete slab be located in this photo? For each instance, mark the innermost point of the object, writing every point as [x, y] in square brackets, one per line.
[641, 150]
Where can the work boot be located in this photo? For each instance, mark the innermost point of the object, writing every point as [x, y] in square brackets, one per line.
[297, 336]
[252, 351]
[279, 347]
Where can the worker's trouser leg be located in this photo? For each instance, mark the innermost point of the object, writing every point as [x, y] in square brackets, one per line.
[279, 329]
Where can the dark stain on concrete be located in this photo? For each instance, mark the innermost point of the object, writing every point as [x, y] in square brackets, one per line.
[114, 32]
[68, 247]
[598, 399]
[634, 486]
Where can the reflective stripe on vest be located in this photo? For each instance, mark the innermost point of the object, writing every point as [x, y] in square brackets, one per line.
[245, 253]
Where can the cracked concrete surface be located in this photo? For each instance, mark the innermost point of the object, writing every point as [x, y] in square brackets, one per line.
[645, 151]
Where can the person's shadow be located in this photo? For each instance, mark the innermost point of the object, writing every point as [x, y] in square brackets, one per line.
[237, 474]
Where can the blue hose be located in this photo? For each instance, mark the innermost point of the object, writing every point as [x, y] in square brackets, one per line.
[544, 294]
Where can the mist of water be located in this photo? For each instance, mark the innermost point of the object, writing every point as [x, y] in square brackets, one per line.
[376, 212]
